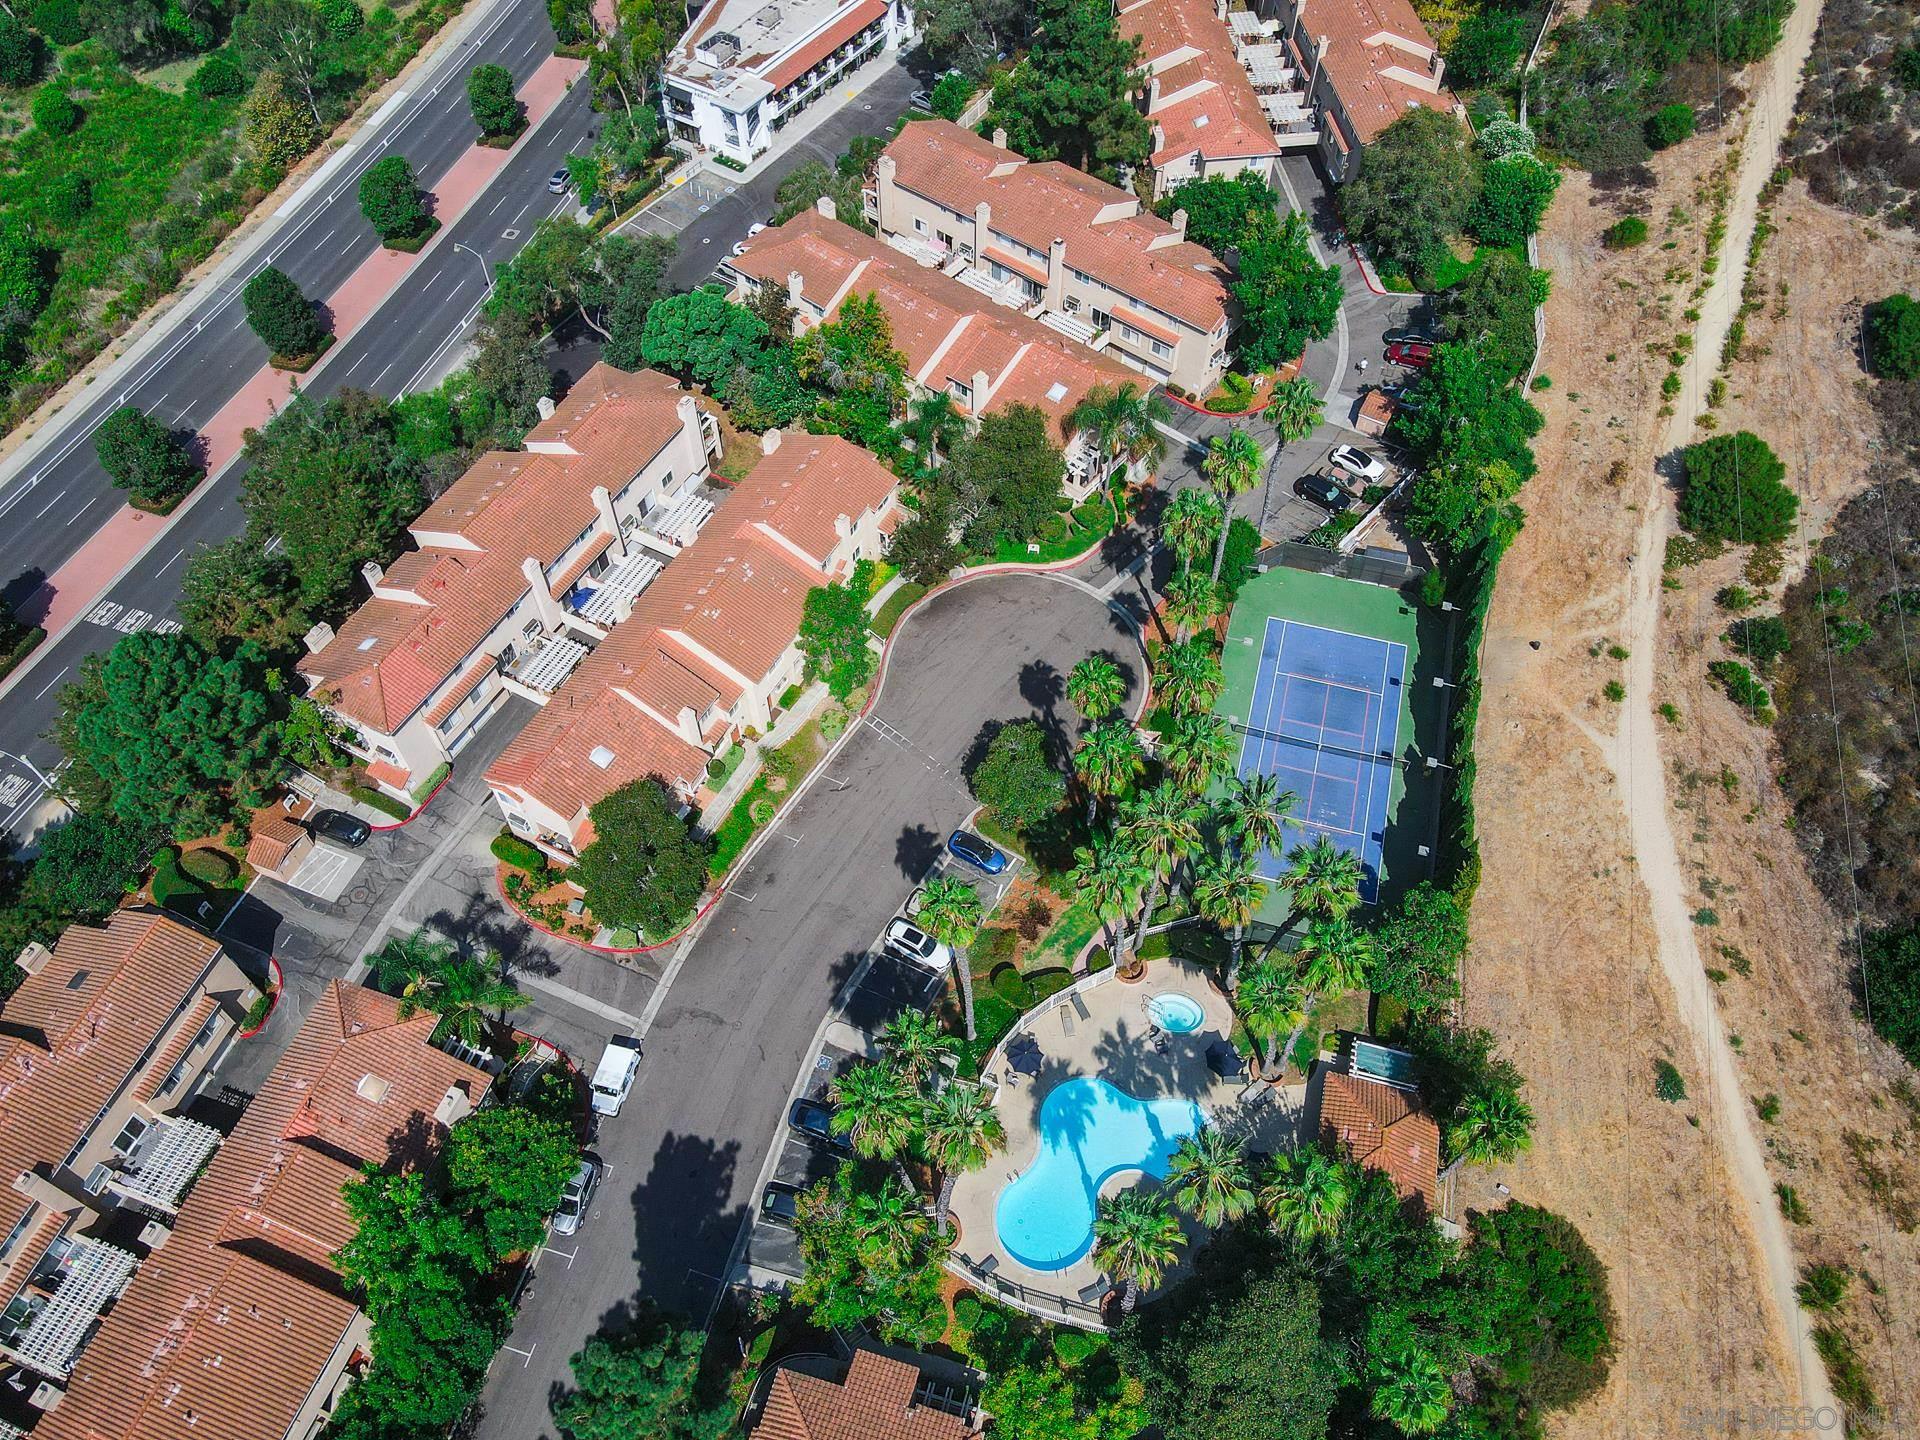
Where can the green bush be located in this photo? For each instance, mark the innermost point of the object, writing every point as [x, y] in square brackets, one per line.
[69, 198]
[1048, 982]
[1011, 986]
[219, 77]
[1071, 1347]
[1669, 125]
[281, 315]
[60, 21]
[1625, 233]
[1098, 959]
[381, 801]
[1734, 491]
[55, 113]
[390, 199]
[1762, 639]
[1667, 1083]
[209, 867]
[950, 96]
[1742, 688]
[1893, 337]
[490, 96]
[510, 849]
[19, 53]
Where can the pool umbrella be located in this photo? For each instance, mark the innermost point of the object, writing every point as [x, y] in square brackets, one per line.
[1024, 1056]
[1224, 1060]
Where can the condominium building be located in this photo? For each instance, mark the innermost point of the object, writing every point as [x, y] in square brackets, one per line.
[238, 1327]
[870, 1395]
[963, 334]
[1077, 254]
[746, 68]
[102, 1048]
[520, 568]
[709, 646]
[1361, 65]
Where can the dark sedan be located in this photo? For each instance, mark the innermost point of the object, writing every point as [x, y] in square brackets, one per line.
[780, 1204]
[339, 827]
[1322, 490]
[814, 1119]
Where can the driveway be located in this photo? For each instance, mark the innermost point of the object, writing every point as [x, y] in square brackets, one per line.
[741, 1016]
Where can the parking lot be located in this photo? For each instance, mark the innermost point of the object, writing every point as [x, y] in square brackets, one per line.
[885, 986]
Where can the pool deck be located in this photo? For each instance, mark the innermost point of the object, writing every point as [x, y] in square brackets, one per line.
[1105, 1035]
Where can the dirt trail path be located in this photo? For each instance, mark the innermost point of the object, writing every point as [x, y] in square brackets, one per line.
[1633, 752]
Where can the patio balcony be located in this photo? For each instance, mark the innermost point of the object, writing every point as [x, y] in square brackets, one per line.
[49, 1322]
[1072, 326]
[543, 665]
[1011, 292]
[161, 1167]
[921, 251]
[608, 600]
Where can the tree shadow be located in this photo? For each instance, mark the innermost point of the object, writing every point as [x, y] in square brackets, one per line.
[483, 927]
[684, 1227]
[1044, 687]
[915, 851]
[23, 586]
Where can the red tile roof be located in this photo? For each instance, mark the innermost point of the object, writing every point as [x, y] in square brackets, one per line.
[225, 1331]
[1222, 121]
[393, 653]
[1036, 203]
[874, 1402]
[825, 43]
[1385, 1129]
[1362, 59]
[946, 331]
[729, 602]
[274, 838]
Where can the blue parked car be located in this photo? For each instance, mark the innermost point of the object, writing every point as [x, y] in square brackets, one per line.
[976, 852]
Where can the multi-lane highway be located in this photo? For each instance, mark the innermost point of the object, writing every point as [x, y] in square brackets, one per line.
[406, 339]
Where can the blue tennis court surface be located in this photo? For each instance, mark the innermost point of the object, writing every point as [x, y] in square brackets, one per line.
[1324, 722]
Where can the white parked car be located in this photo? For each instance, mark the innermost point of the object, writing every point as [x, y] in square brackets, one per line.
[613, 1076]
[1356, 461]
[575, 1199]
[909, 942]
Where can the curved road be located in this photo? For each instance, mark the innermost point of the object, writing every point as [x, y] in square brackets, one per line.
[740, 1018]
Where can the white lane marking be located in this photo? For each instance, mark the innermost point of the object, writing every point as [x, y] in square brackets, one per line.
[169, 565]
[49, 505]
[41, 692]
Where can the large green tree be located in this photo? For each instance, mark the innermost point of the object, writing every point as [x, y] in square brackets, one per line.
[861, 378]
[701, 335]
[144, 458]
[1007, 479]
[180, 740]
[645, 867]
[1286, 296]
[1071, 98]
[239, 590]
[1735, 491]
[644, 1381]
[490, 96]
[1016, 778]
[833, 637]
[281, 316]
[1513, 199]
[390, 199]
[1222, 211]
[87, 865]
[871, 1255]
[1415, 185]
[1893, 337]
[1492, 310]
[506, 1165]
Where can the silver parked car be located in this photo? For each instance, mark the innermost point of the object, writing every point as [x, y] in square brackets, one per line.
[578, 1195]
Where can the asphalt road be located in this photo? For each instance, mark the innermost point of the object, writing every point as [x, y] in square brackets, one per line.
[739, 1019]
[56, 503]
[407, 337]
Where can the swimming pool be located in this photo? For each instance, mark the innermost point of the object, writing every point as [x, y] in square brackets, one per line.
[1175, 1013]
[1089, 1131]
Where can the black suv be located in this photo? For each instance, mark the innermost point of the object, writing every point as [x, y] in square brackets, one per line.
[1323, 491]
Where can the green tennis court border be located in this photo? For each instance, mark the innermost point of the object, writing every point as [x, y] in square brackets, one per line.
[1383, 614]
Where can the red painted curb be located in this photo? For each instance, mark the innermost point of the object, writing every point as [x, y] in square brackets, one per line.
[1366, 279]
[396, 824]
[279, 987]
[1220, 414]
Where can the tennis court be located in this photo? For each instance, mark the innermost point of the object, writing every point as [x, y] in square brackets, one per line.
[1324, 719]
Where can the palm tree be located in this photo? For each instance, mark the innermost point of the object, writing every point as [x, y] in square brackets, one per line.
[1162, 828]
[1306, 1194]
[1231, 467]
[1253, 814]
[1335, 956]
[1208, 1173]
[1108, 761]
[1268, 999]
[1096, 687]
[1411, 1391]
[1491, 1126]
[876, 1107]
[1324, 879]
[465, 991]
[1294, 409]
[1197, 748]
[960, 1129]
[1192, 600]
[1109, 877]
[913, 1043]
[1124, 425]
[1190, 523]
[1227, 891]
[1135, 1239]
[410, 962]
[934, 424]
[950, 912]
[1188, 675]
[888, 1219]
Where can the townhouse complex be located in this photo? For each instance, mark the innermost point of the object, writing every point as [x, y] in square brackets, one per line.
[710, 644]
[526, 561]
[746, 68]
[1083, 257]
[238, 1327]
[966, 340]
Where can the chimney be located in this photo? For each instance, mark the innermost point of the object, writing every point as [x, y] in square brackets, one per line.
[1159, 138]
[34, 958]
[52, 1195]
[999, 137]
[318, 638]
[454, 1107]
[827, 208]
[981, 388]
[843, 525]
[1153, 93]
[609, 521]
[1180, 223]
[770, 441]
[982, 228]
[794, 285]
[372, 574]
[1170, 237]
[544, 407]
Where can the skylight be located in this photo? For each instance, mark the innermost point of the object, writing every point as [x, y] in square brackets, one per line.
[1200, 122]
[368, 643]
[602, 756]
[1056, 392]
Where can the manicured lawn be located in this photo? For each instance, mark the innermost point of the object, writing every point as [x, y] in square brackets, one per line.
[1079, 538]
[203, 898]
[889, 614]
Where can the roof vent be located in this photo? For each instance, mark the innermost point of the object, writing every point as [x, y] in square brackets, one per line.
[602, 755]
[371, 1088]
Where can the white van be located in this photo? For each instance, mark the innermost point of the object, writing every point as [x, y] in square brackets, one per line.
[613, 1076]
